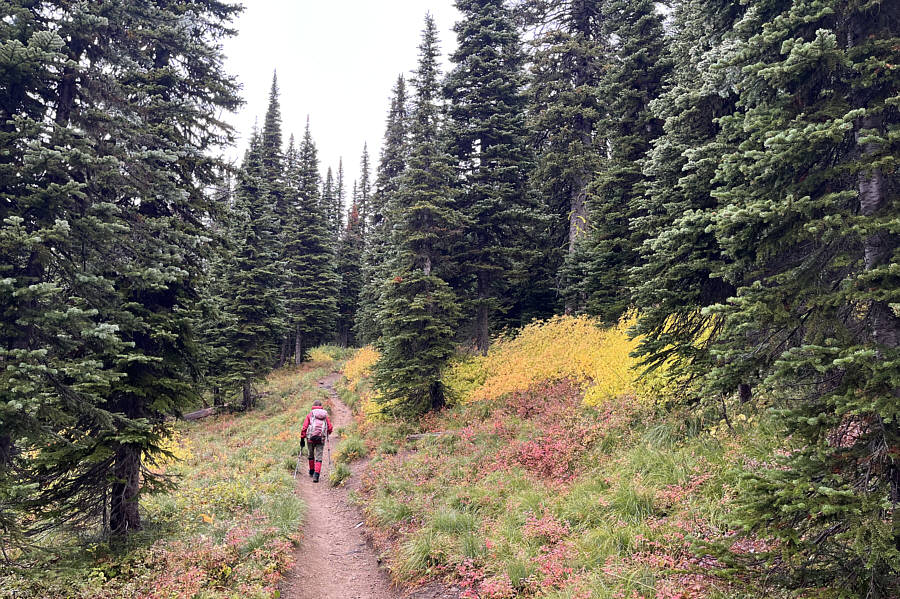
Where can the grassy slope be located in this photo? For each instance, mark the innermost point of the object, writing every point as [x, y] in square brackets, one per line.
[226, 530]
[535, 494]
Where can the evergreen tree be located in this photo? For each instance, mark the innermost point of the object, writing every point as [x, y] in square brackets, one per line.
[340, 193]
[680, 262]
[330, 205]
[349, 269]
[364, 191]
[392, 163]
[633, 79]
[256, 307]
[808, 221]
[272, 154]
[419, 308]
[571, 51]
[103, 244]
[309, 249]
[487, 138]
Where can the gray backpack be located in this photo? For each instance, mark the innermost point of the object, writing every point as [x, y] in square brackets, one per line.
[317, 431]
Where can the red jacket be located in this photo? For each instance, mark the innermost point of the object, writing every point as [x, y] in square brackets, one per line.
[306, 425]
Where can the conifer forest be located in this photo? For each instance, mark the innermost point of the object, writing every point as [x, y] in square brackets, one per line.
[612, 310]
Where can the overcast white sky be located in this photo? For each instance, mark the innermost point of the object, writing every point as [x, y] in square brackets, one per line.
[337, 61]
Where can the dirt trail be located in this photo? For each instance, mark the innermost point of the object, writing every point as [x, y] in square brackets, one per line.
[334, 561]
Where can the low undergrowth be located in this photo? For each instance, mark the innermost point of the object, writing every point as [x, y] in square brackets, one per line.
[538, 493]
[227, 529]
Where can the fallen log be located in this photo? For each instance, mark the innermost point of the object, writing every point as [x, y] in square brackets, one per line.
[203, 413]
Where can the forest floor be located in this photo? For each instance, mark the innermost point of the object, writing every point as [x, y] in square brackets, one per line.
[336, 559]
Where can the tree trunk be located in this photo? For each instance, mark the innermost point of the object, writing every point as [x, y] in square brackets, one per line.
[217, 397]
[299, 350]
[248, 395]
[285, 346]
[5, 452]
[482, 318]
[879, 247]
[124, 516]
[437, 398]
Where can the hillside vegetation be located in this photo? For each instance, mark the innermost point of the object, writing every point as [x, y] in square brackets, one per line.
[557, 475]
[227, 527]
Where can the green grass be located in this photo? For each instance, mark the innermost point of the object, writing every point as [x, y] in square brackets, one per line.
[339, 474]
[643, 484]
[231, 519]
[350, 448]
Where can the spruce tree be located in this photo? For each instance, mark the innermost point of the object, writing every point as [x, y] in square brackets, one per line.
[349, 269]
[487, 138]
[119, 163]
[571, 53]
[391, 165]
[271, 142]
[633, 78]
[365, 192]
[340, 194]
[309, 256]
[808, 221]
[256, 307]
[330, 205]
[681, 261]
[419, 311]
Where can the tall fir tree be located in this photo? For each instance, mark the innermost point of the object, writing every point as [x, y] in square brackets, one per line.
[349, 269]
[365, 192]
[103, 238]
[420, 311]
[312, 283]
[634, 78]
[330, 205]
[808, 221]
[256, 306]
[488, 140]
[340, 195]
[570, 56]
[681, 261]
[271, 142]
[391, 165]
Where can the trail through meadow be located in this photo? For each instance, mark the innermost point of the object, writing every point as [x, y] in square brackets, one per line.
[334, 561]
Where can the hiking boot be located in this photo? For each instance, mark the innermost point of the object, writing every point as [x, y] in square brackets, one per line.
[311, 472]
[315, 477]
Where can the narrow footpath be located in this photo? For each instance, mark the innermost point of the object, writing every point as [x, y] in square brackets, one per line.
[334, 561]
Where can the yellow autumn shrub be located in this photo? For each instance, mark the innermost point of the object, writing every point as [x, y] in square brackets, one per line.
[357, 371]
[360, 365]
[564, 347]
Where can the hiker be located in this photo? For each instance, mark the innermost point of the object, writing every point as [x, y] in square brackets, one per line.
[315, 432]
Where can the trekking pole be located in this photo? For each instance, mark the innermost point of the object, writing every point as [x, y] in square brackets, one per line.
[328, 448]
[299, 457]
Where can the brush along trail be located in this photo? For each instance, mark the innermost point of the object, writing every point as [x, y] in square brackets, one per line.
[335, 561]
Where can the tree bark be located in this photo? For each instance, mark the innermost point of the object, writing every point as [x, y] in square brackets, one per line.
[124, 516]
[299, 350]
[878, 247]
[745, 392]
[482, 318]
[5, 451]
[285, 345]
[248, 395]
